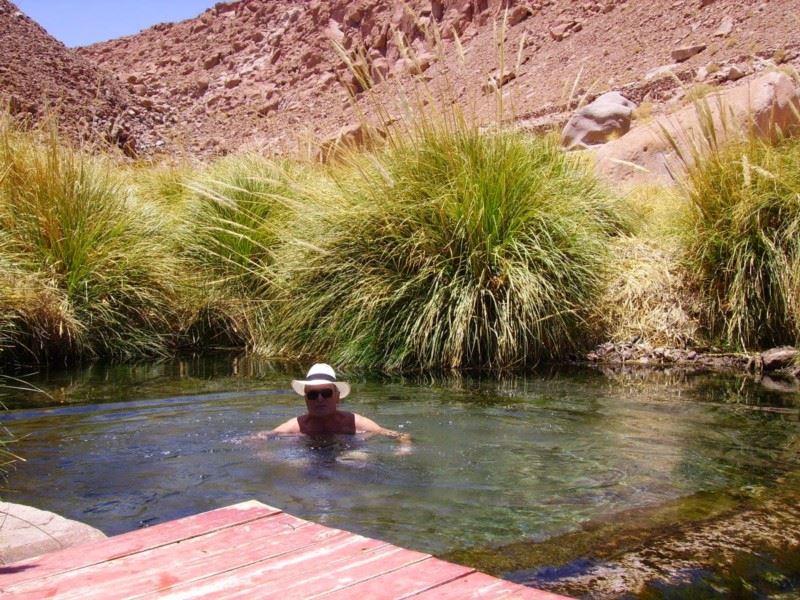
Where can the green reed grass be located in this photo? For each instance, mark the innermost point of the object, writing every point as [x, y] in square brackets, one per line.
[744, 245]
[71, 224]
[234, 218]
[452, 249]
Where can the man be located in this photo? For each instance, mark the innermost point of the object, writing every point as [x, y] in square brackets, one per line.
[322, 394]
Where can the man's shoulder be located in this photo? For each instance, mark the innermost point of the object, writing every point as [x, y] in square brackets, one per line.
[366, 424]
[293, 425]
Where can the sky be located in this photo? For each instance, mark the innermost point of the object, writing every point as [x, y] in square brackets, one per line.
[83, 22]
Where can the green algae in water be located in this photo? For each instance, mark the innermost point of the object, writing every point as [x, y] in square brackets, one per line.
[598, 540]
[672, 551]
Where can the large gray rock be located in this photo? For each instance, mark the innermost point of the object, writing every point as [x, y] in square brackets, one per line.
[608, 117]
[766, 106]
[28, 532]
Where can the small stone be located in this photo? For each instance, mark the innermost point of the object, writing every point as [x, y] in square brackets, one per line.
[518, 14]
[212, 61]
[731, 73]
[562, 30]
[496, 81]
[269, 107]
[778, 358]
[725, 28]
[686, 52]
[660, 72]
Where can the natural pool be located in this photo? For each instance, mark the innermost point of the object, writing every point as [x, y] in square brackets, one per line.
[494, 463]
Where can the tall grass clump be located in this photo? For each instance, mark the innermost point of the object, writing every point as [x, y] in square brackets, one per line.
[35, 323]
[451, 249]
[234, 218]
[72, 226]
[744, 243]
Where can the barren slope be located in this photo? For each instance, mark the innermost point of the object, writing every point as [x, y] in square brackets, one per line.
[38, 74]
[263, 73]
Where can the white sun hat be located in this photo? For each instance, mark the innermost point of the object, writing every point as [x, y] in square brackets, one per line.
[319, 374]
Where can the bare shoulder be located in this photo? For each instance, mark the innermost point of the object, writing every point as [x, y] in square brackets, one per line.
[290, 426]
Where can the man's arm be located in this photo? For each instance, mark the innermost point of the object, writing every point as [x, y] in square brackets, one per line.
[289, 427]
[363, 424]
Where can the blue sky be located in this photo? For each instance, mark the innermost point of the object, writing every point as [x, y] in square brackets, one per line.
[83, 22]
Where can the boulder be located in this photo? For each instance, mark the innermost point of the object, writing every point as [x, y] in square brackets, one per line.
[778, 358]
[28, 532]
[608, 117]
[358, 135]
[766, 106]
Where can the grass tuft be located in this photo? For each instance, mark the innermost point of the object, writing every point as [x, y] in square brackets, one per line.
[234, 219]
[70, 223]
[744, 243]
[452, 249]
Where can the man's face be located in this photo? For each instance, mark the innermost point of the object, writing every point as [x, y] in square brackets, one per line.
[321, 399]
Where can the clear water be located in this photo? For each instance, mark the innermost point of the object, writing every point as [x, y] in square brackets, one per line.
[493, 462]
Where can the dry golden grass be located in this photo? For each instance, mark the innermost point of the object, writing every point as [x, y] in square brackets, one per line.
[648, 296]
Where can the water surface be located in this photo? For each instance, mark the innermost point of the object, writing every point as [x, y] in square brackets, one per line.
[493, 462]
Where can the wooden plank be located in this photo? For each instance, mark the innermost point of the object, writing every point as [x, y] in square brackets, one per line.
[133, 542]
[401, 583]
[385, 560]
[277, 577]
[382, 562]
[485, 587]
[248, 550]
[196, 558]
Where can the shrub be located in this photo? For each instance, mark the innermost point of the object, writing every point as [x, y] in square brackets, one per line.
[68, 221]
[36, 324]
[452, 249]
[234, 218]
[744, 244]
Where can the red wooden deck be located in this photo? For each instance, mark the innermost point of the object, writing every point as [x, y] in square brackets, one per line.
[248, 550]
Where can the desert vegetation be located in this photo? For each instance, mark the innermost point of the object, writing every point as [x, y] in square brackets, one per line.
[445, 247]
[451, 249]
[742, 246]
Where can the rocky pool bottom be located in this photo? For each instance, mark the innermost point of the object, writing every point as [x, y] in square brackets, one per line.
[612, 484]
[703, 546]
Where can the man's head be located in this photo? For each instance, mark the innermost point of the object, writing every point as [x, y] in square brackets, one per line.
[321, 390]
[321, 400]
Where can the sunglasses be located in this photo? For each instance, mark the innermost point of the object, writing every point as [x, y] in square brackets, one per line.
[314, 394]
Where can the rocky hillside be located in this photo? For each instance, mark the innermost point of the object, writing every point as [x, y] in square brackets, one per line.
[40, 75]
[264, 73]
